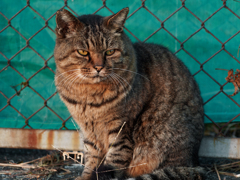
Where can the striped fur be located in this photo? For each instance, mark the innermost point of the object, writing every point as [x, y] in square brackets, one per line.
[138, 106]
[168, 173]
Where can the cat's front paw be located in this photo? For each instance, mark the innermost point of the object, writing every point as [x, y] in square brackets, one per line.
[82, 178]
[79, 178]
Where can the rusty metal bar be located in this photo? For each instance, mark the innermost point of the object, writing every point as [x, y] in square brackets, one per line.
[41, 139]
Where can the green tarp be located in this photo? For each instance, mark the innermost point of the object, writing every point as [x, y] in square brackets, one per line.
[194, 32]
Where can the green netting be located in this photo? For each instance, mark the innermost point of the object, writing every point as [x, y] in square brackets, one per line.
[181, 32]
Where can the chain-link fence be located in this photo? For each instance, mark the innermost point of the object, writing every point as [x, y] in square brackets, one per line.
[204, 34]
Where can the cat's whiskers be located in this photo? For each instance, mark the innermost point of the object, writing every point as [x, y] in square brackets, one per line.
[64, 78]
[66, 72]
[70, 82]
[130, 87]
[61, 74]
[126, 83]
[77, 76]
[117, 82]
[81, 77]
[124, 80]
[113, 81]
[67, 79]
[132, 72]
[114, 75]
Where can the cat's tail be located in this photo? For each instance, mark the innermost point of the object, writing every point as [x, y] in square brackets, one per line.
[168, 173]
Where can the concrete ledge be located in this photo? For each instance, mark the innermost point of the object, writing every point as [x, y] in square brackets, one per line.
[73, 140]
[220, 147]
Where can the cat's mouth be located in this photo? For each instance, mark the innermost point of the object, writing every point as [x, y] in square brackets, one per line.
[96, 75]
[101, 74]
[95, 78]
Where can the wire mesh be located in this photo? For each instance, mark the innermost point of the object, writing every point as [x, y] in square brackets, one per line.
[104, 6]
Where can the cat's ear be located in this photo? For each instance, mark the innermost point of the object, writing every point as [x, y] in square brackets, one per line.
[67, 24]
[115, 22]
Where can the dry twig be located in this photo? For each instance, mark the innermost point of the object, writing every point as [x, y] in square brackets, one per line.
[17, 165]
[229, 174]
[215, 167]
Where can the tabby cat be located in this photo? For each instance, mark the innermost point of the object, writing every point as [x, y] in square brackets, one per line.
[138, 106]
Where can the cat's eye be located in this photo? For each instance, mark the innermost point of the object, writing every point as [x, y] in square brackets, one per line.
[110, 52]
[82, 52]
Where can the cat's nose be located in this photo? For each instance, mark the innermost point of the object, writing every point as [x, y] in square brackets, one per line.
[98, 68]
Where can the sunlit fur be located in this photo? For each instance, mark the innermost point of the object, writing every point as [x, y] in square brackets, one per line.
[106, 81]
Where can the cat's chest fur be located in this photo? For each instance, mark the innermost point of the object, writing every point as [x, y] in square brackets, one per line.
[95, 121]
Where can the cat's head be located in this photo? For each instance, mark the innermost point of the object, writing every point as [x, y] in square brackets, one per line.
[91, 48]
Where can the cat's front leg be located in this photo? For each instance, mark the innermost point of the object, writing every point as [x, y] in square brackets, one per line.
[93, 157]
[120, 152]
